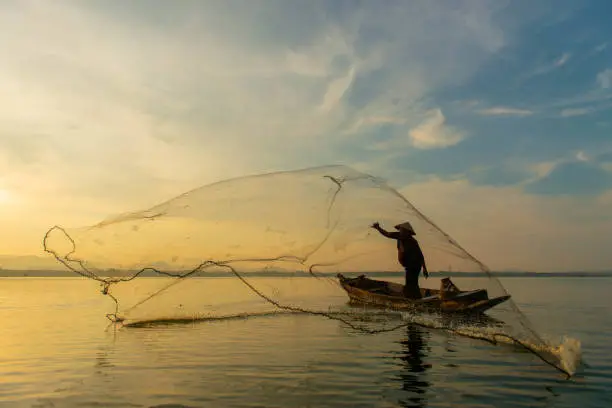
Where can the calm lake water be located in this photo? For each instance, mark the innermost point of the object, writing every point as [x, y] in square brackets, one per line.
[56, 350]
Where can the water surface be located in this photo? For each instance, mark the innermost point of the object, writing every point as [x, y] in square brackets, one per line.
[58, 351]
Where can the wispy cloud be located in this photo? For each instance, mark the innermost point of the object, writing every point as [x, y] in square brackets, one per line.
[434, 133]
[604, 79]
[543, 169]
[550, 66]
[582, 156]
[504, 111]
[601, 47]
[178, 95]
[567, 113]
[562, 60]
[591, 97]
[336, 90]
[375, 120]
[372, 121]
[431, 132]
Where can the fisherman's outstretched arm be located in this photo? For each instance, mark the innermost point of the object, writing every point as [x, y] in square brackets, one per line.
[392, 235]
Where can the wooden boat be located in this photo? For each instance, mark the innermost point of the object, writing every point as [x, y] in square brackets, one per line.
[448, 299]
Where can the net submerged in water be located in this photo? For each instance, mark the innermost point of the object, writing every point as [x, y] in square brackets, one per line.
[273, 243]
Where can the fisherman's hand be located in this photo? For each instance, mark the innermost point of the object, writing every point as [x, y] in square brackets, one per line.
[425, 273]
[376, 225]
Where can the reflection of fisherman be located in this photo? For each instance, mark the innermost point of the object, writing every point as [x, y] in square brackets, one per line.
[414, 356]
[409, 255]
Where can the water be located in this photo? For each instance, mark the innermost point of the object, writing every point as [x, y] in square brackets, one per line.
[57, 351]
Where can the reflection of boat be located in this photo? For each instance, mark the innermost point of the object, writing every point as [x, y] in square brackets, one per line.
[450, 299]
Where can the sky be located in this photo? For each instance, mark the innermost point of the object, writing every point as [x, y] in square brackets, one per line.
[492, 117]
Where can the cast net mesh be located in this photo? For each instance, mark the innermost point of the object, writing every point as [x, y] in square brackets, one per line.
[273, 243]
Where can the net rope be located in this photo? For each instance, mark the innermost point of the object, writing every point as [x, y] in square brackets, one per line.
[313, 221]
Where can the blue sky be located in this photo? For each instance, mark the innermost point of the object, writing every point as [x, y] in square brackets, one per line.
[502, 109]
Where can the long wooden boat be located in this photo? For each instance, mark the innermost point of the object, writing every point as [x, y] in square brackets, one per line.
[449, 299]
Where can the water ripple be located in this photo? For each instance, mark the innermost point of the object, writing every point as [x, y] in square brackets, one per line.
[61, 356]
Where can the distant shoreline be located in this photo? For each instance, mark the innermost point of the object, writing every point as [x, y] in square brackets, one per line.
[279, 274]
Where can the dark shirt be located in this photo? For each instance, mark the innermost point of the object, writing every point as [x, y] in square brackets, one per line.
[409, 252]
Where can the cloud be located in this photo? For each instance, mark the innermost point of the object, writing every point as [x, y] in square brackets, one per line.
[504, 111]
[433, 133]
[562, 60]
[597, 98]
[551, 66]
[376, 120]
[175, 96]
[601, 47]
[577, 178]
[582, 156]
[373, 121]
[336, 90]
[510, 230]
[159, 111]
[543, 169]
[566, 113]
[604, 79]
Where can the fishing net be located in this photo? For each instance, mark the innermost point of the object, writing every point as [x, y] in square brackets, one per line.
[274, 243]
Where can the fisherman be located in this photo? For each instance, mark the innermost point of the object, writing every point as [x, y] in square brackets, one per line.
[409, 255]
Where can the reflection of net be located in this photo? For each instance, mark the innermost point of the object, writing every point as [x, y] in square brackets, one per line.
[314, 221]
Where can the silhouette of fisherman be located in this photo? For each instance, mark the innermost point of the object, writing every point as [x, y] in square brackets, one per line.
[409, 255]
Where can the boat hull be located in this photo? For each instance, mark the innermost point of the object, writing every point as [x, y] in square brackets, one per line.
[389, 295]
